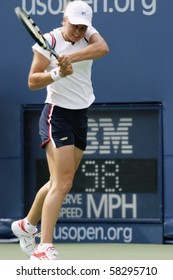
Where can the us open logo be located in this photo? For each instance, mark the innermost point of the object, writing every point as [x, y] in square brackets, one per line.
[55, 7]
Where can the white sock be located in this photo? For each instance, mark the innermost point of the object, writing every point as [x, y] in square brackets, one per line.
[29, 228]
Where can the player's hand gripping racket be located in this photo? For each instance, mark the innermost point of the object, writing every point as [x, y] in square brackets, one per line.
[34, 30]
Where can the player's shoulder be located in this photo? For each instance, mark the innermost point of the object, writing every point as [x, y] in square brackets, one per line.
[53, 36]
[56, 32]
[90, 31]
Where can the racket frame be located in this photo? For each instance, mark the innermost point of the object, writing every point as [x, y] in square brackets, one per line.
[30, 25]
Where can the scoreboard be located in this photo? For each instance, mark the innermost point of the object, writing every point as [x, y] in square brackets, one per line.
[119, 180]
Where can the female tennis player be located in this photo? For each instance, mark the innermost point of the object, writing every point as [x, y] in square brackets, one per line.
[63, 122]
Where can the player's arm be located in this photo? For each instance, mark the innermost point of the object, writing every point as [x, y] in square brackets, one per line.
[96, 48]
[38, 78]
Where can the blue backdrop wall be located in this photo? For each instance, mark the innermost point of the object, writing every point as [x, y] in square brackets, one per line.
[139, 68]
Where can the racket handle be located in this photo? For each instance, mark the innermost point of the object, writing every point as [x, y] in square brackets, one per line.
[54, 53]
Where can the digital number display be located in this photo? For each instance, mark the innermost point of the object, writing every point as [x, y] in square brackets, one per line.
[121, 175]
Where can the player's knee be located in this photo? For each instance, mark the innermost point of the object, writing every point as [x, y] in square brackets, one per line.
[63, 187]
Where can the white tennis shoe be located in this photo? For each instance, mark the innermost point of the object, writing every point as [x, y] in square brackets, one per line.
[48, 253]
[26, 239]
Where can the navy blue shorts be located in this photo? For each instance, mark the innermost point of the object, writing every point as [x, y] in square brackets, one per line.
[63, 126]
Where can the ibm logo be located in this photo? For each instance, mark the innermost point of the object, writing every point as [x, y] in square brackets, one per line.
[102, 135]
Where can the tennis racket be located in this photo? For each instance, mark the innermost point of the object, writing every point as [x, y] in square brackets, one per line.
[34, 30]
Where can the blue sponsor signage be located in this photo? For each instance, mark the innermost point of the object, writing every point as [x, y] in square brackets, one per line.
[120, 175]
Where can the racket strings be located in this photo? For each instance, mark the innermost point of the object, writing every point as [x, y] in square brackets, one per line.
[34, 30]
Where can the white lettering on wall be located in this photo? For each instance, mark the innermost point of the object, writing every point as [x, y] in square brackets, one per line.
[55, 7]
[116, 137]
[108, 205]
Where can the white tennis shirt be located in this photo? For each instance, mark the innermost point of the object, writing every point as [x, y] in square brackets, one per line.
[74, 91]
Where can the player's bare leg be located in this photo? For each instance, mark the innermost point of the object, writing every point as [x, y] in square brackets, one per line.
[63, 163]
